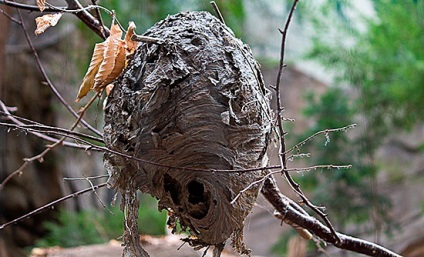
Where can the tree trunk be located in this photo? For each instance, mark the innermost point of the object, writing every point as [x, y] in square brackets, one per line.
[195, 101]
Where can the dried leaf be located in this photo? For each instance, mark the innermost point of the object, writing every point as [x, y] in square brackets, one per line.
[41, 4]
[130, 45]
[46, 21]
[118, 65]
[96, 60]
[108, 89]
[109, 58]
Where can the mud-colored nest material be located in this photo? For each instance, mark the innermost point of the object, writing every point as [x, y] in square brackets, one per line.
[196, 100]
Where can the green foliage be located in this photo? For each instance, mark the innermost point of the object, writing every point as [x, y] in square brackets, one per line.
[280, 247]
[346, 194]
[99, 226]
[75, 229]
[385, 63]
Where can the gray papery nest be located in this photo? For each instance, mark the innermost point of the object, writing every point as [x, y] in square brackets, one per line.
[195, 100]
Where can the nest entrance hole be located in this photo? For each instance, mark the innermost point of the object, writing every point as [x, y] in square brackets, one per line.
[198, 199]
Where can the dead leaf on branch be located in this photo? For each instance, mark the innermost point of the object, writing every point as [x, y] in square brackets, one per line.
[108, 60]
[130, 45]
[110, 56]
[96, 60]
[46, 21]
[41, 4]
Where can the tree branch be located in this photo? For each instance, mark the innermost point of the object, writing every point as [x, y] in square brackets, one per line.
[290, 211]
[88, 19]
[48, 81]
[28, 7]
[73, 5]
[281, 133]
[44, 207]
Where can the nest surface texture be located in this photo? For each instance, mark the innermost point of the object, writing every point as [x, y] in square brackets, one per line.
[196, 100]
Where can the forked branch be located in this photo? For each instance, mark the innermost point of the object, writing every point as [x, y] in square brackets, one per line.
[281, 133]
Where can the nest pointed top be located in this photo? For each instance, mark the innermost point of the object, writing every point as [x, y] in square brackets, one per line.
[193, 104]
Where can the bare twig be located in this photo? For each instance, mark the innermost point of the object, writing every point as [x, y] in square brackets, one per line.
[282, 147]
[74, 125]
[32, 128]
[10, 17]
[289, 211]
[40, 156]
[44, 207]
[73, 7]
[48, 81]
[27, 7]
[85, 178]
[35, 126]
[97, 196]
[146, 39]
[218, 13]
[99, 17]
[326, 131]
[299, 170]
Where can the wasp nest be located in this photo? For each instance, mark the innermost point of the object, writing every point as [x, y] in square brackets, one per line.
[186, 108]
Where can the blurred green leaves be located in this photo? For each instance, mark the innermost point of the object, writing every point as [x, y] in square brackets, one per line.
[384, 63]
[99, 226]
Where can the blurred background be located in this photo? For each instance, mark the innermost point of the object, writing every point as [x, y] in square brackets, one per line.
[348, 62]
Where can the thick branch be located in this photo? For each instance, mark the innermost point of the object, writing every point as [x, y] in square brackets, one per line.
[290, 211]
[88, 19]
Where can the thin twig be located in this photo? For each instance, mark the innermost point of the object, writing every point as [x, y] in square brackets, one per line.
[35, 126]
[218, 13]
[325, 131]
[48, 81]
[27, 7]
[282, 147]
[97, 196]
[147, 39]
[30, 128]
[44, 136]
[73, 7]
[44, 207]
[10, 17]
[40, 156]
[74, 125]
[298, 170]
[99, 17]
[85, 178]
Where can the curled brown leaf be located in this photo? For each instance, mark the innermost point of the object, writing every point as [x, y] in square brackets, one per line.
[41, 4]
[108, 60]
[46, 21]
